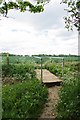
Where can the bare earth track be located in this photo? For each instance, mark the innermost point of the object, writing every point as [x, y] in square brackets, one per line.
[49, 110]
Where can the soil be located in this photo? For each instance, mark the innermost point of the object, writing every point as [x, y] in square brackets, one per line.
[49, 110]
[9, 80]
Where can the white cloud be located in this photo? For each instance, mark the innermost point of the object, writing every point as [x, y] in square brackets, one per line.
[44, 33]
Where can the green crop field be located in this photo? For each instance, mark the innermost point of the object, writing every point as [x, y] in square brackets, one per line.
[13, 59]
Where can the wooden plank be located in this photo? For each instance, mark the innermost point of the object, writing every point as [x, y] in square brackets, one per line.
[48, 77]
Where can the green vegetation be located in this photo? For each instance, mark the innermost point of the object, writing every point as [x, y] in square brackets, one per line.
[19, 71]
[73, 8]
[16, 59]
[23, 100]
[27, 96]
[68, 107]
[69, 95]
[54, 68]
[73, 18]
[23, 96]
[22, 6]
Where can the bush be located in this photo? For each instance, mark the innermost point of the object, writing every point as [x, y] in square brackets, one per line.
[18, 71]
[23, 100]
[54, 68]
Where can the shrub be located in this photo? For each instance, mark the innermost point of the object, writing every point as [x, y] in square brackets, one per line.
[18, 71]
[54, 68]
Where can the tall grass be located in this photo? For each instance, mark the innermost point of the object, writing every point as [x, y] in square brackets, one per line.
[23, 100]
[68, 106]
[69, 96]
[19, 71]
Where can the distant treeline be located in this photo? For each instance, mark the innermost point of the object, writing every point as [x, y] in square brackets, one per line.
[61, 55]
[15, 59]
[42, 55]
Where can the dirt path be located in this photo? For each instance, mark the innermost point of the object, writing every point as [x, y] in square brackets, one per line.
[49, 110]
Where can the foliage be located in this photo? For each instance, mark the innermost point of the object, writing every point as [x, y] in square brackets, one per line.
[54, 68]
[22, 6]
[69, 102]
[68, 106]
[69, 95]
[18, 71]
[73, 10]
[74, 14]
[23, 100]
[29, 96]
[17, 59]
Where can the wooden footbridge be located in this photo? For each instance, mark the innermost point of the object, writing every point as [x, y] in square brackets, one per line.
[48, 77]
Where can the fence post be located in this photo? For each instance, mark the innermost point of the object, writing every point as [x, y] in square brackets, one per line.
[7, 58]
[41, 72]
[63, 68]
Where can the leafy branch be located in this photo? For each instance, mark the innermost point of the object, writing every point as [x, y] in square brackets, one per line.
[22, 6]
[73, 18]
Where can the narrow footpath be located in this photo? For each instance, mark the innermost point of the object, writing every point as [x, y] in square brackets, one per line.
[49, 110]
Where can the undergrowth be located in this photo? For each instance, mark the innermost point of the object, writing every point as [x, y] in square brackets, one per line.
[68, 107]
[23, 100]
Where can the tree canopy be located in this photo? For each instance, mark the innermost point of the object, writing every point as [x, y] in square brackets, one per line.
[73, 18]
[36, 7]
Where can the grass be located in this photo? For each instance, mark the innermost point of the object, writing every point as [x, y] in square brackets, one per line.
[69, 95]
[19, 71]
[26, 97]
[68, 106]
[23, 100]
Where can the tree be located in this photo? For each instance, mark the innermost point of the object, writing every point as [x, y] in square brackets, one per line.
[22, 5]
[73, 18]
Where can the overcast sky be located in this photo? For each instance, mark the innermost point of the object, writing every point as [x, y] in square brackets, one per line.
[40, 33]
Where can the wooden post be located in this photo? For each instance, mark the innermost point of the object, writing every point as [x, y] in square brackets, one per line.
[7, 58]
[41, 72]
[63, 68]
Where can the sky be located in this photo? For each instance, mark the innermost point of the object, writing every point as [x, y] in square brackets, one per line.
[40, 33]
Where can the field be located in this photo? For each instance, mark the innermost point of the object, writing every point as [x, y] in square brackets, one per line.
[23, 93]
